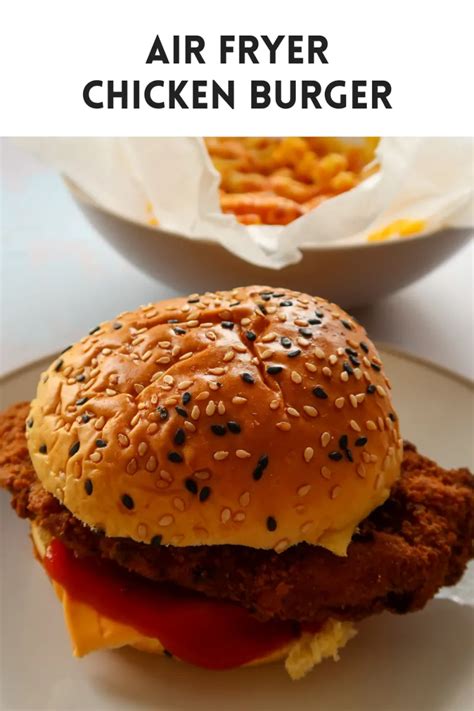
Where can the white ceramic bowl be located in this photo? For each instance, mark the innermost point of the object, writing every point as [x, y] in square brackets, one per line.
[351, 275]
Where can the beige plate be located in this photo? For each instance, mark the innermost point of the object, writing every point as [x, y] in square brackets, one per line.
[421, 662]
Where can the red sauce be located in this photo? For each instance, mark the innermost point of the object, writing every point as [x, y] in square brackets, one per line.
[208, 633]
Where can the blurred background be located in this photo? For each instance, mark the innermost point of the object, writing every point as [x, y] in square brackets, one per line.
[59, 278]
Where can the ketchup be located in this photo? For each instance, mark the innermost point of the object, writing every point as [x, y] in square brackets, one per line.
[209, 633]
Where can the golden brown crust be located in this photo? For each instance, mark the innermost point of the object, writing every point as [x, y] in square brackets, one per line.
[255, 417]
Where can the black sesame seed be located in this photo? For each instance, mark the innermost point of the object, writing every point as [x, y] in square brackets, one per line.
[250, 335]
[262, 464]
[347, 368]
[117, 326]
[274, 369]
[163, 412]
[278, 296]
[360, 441]
[335, 456]
[376, 367]
[314, 321]
[29, 423]
[294, 354]
[193, 301]
[68, 348]
[364, 347]
[94, 330]
[186, 398]
[179, 436]
[286, 303]
[346, 324]
[266, 297]
[234, 427]
[127, 501]
[354, 361]
[343, 441]
[166, 652]
[156, 540]
[285, 342]
[100, 443]
[85, 418]
[271, 523]
[228, 324]
[348, 455]
[319, 314]
[74, 449]
[43, 449]
[80, 378]
[319, 392]
[234, 303]
[262, 309]
[175, 457]
[179, 331]
[350, 351]
[191, 486]
[205, 493]
[247, 378]
[392, 416]
[219, 430]
[181, 411]
[371, 389]
[173, 320]
[81, 400]
[59, 365]
[305, 332]
[88, 486]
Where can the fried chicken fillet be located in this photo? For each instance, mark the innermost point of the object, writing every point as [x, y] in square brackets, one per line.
[418, 541]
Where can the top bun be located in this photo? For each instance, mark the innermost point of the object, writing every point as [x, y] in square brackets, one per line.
[258, 417]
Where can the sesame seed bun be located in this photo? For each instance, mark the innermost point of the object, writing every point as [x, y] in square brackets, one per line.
[258, 417]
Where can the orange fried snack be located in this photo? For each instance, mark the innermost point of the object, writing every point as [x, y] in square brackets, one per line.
[274, 181]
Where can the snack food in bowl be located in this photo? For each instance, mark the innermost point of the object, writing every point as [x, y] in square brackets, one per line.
[274, 181]
[221, 478]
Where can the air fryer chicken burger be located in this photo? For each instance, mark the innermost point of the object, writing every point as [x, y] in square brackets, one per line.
[221, 478]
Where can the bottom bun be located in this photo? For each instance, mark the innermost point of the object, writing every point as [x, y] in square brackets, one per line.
[91, 631]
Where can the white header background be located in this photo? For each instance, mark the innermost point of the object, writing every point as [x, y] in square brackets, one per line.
[50, 49]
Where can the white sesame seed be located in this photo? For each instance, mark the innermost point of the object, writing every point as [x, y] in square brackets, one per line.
[296, 377]
[325, 472]
[151, 464]
[203, 396]
[360, 397]
[146, 355]
[353, 400]
[142, 530]
[292, 411]
[123, 440]
[135, 419]
[303, 490]
[142, 448]
[389, 423]
[325, 439]
[211, 335]
[217, 371]
[319, 353]
[166, 520]
[282, 316]
[168, 379]
[166, 476]
[185, 356]
[225, 515]
[300, 508]
[210, 408]
[284, 426]
[244, 499]
[266, 354]
[381, 424]
[303, 342]
[308, 454]
[370, 424]
[221, 408]
[110, 392]
[239, 516]
[96, 457]
[178, 503]
[344, 376]
[381, 391]
[310, 410]
[195, 412]
[228, 356]
[192, 323]
[274, 404]
[354, 425]
[281, 545]
[106, 351]
[357, 373]
[99, 423]
[185, 384]
[306, 527]
[242, 454]
[238, 400]
[378, 481]
[220, 455]
[340, 351]
[138, 387]
[268, 337]
[132, 466]
[366, 362]
[335, 491]
[164, 344]
[171, 401]
[245, 321]
[333, 359]
[301, 322]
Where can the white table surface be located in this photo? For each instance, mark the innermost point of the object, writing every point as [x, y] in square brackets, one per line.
[58, 279]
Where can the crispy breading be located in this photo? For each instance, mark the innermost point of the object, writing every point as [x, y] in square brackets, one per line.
[420, 540]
